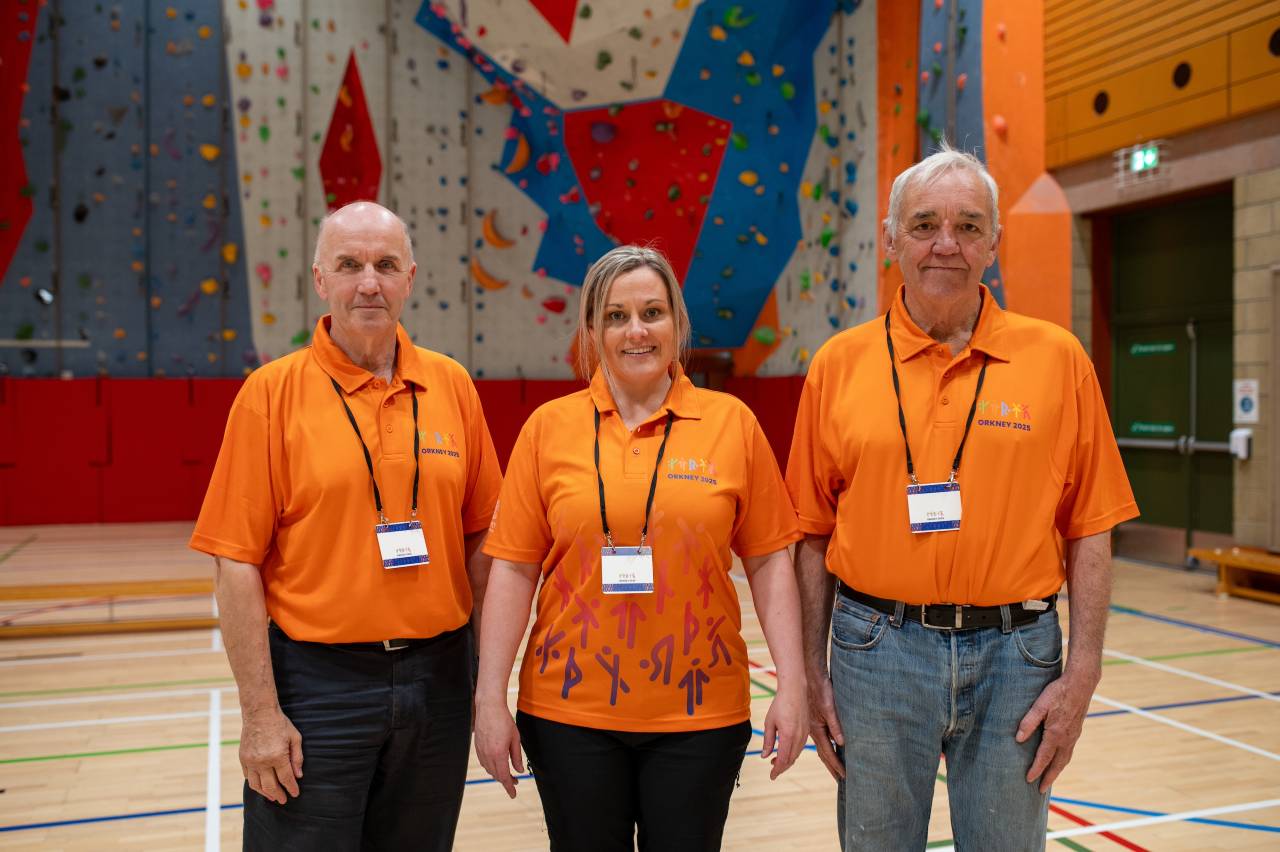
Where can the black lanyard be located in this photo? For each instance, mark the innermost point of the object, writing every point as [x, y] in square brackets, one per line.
[897, 392]
[653, 484]
[377, 495]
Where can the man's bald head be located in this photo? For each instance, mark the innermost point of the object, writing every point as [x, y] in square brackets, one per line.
[360, 212]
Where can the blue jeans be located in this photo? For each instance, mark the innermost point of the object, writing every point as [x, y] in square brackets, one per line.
[906, 693]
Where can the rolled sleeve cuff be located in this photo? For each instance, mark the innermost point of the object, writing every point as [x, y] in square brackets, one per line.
[227, 550]
[1102, 523]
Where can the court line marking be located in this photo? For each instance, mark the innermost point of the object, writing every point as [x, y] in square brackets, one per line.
[129, 639]
[213, 776]
[1221, 823]
[1225, 684]
[1164, 720]
[1175, 705]
[93, 658]
[117, 720]
[1184, 816]
[99, 699]
[1191, 625]
[113, 687]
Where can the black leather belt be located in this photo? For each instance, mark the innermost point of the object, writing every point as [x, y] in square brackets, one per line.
[385, 645]
[953, 616]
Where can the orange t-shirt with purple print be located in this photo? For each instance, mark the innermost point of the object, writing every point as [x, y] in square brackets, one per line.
[673, 659]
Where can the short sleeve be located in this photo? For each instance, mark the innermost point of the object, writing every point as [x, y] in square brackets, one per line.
[1096, 495]
[484, 477]
[238, 517]
[766, 522]
[813, 480]
[520, 531]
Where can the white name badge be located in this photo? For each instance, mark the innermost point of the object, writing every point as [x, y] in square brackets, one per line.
[626, 570]
[934, 507]
[402, 544]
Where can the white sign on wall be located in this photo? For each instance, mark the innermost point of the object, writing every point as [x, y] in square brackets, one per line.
[1246, 397]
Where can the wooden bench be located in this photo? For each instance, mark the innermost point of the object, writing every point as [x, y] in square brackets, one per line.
[106, 594]
[1245, 572]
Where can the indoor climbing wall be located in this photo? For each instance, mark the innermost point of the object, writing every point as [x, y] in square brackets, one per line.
[177, 173]
[129, 262]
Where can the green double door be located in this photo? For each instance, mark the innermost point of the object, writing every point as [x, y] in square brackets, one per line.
[1172, 337]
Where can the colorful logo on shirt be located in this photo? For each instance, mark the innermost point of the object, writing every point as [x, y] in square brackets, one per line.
[693, 469]
[446, 445]
[1004, 415]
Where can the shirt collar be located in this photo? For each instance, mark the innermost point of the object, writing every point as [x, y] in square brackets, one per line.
[409, 367]
[681, 401]
[989, 337]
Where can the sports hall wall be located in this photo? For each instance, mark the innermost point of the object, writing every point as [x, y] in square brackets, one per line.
[172, 161]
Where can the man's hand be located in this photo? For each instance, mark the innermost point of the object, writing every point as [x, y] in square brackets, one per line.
[824, 723]
[271, 754]
[1061, 708]
[497, 742]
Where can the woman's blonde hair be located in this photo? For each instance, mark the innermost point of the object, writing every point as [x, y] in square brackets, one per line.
[595, 290]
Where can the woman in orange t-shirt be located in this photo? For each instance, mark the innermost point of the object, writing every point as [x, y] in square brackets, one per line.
[625, 499]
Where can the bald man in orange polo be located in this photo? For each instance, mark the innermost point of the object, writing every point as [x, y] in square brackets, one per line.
[354, 486]
[948, 457]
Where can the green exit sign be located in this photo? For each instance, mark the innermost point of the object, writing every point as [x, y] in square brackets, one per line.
[1144, 159]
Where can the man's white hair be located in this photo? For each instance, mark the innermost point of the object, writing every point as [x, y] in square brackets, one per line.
[930, 169]
[408, 240]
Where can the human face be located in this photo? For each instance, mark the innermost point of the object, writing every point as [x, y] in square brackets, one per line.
[945, 237]
[638, 340]
[364, 271]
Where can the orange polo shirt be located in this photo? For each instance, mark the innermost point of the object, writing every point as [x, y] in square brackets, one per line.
[1041, 460]
[291, 491]
[672, 660]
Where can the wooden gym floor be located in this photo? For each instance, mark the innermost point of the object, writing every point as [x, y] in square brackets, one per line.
[105, 740]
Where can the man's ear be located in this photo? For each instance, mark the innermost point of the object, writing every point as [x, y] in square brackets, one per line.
[317, 281]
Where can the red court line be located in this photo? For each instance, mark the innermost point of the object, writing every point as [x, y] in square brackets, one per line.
[759, 667]
[1115, 838]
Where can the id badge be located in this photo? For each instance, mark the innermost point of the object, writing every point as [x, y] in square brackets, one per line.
[626, 570]
[402, 544]
[934, 507]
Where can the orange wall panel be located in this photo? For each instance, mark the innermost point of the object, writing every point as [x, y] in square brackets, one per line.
[898, 26]
[1151, 125]
[1251, 53]
[1253, 95]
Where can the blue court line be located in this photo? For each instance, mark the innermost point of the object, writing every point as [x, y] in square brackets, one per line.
[1175, 705]
[1203, 628]
[113, 818]
[1274, 829]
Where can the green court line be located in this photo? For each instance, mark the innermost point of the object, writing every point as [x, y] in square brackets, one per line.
[1186, 654]
[17, 547]
[82, 754]
[765, 687]
[114, 687]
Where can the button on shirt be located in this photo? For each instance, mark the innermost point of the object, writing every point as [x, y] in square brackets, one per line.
[291, 492]
[1041, 461]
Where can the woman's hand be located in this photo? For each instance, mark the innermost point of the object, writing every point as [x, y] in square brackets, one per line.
[786, 725]
[497, 742]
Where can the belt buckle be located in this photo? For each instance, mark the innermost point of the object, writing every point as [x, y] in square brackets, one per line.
[924, 621]
[394, 644]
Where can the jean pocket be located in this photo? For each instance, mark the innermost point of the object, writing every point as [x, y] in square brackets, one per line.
[857, 627]
[1040, 642]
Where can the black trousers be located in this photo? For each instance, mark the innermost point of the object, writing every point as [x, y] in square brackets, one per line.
[598, 787]
[386, 737]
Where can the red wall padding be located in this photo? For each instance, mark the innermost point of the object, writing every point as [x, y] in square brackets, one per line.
[114, 450]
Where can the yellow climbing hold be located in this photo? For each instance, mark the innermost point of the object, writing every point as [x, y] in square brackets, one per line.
[778, 70]
[209, 202]
[761, 239]
[119, 334]
[230, 252]
[718, 33]
[264, 220]
[204, 32]
[806, 189]
[210, 152]
[244, 70]
[209, 286]
[745, 59]
[209, 100]
[268, 319]
[748, 178]
[228, 334]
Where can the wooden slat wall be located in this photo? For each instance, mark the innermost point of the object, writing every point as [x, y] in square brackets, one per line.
[1129, 50]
